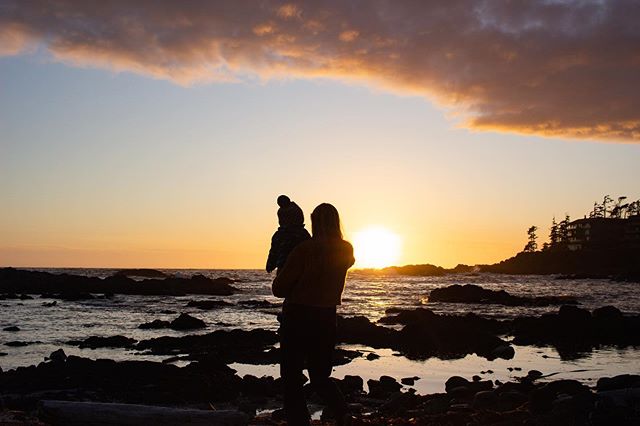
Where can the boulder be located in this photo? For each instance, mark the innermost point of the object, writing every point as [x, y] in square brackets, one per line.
[622, 381]
[471, 293]
[155, 324]
[95, 342]
[409, 381]
[186, 322]
[381, 389]
[455, 382]
[484, 400]
[57, 356]
[534, 374]
[351, 384]
[12, 328]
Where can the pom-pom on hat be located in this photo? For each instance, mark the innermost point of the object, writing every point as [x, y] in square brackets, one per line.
[283, 201]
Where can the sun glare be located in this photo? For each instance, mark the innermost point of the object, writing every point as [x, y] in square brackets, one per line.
[376, 247]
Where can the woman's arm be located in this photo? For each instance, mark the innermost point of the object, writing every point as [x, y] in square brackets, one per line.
[290, 273]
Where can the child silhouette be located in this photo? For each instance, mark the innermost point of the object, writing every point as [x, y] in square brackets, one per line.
[290, 233]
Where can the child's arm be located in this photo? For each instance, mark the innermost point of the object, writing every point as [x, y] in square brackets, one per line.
[274, 252]
[289, 274]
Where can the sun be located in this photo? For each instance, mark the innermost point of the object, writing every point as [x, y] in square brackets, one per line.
[376, 247]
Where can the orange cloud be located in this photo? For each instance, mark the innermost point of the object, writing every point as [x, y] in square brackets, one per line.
[567, 69]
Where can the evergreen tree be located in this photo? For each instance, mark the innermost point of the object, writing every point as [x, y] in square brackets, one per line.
[532, 245]
[553, 233]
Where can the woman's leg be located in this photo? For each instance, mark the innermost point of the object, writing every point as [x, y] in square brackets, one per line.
[320, 364]
[292, 350]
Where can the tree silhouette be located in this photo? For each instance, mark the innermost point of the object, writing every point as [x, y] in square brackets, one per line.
[563, 230]
[553, 233]
[605, 201]
[532, 245]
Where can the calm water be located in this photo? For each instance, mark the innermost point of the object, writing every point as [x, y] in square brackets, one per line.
[50, 327]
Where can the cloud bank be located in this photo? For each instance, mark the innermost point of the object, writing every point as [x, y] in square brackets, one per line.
[553, 68]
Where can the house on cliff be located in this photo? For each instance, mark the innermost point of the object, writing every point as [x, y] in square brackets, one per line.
[604, 233]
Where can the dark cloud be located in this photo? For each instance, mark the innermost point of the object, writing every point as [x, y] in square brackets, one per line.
[557, 68]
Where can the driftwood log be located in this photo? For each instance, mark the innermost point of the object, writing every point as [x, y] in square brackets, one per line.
[102, 414]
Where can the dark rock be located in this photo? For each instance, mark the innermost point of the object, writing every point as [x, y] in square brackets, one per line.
[436, 405]
[141, 273]
[399, 402]
[460, 393]
[574, 314]
[208, 304]
[534, 374]
[155, 324]
[566, 386]
[503, 352]
[455, 382]
[186, 322]
[541, 400]
[12, 328]
[76, 287]
[426, 334]
[384, 387]
[254, 386]
[372, 356]
[470, 293]
[259, 304]
[16, 343]
[9, 296]
[476, 378]
[351, 384]
[344, 356]
[225, 346]
[57, 356]
[25, 297]
[95, 342]
[623, 381]
[607, 313]
[511, 400]
[409, 381]
[484, 400]
[50, 304]
[137, 382]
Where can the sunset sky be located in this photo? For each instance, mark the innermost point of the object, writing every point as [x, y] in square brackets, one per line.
[159, 134]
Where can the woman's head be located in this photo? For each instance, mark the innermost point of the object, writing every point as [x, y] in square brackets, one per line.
[325, 222]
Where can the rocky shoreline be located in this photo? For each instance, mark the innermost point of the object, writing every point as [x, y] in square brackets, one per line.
[209, 383]
[194, 372]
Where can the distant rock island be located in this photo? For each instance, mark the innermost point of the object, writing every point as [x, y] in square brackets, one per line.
[72, 287]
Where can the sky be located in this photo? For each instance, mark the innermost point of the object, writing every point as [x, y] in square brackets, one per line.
[160, 134]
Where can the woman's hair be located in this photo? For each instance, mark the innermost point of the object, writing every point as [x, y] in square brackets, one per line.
[325, 222]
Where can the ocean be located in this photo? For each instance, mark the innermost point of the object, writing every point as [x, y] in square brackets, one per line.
[47, 328]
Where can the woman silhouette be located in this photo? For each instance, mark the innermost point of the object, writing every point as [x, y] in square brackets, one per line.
[311, 283]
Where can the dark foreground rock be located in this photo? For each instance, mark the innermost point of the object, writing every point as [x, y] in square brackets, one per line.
[76, 378]
[426, 334]
[252, 346]
[70, 287]
[95, 342]
[470, 293]
[573, 331]
[522, 401]
[187, 322]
